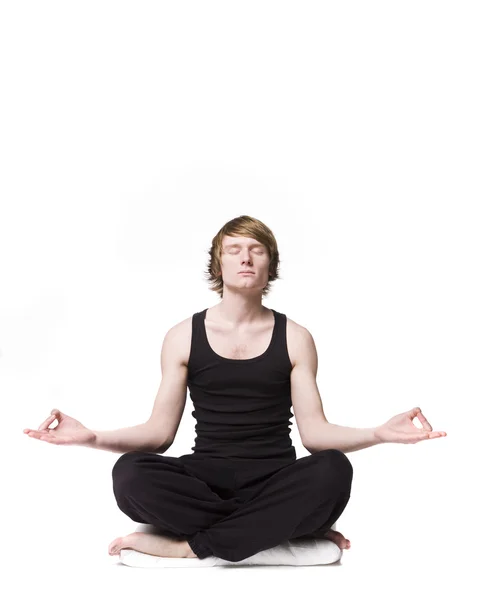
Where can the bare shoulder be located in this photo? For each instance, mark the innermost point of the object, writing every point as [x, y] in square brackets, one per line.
[178, 337]
[299, 341]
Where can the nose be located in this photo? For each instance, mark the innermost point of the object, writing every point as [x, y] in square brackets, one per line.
[246, 262]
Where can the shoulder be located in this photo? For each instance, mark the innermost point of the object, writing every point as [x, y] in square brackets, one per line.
[300, 343]
[178, 337]
[298, 331]
[180, 327]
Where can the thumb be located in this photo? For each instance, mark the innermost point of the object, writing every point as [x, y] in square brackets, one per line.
[413, 412]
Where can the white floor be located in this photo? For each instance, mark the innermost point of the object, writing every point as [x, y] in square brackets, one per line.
[380, 564]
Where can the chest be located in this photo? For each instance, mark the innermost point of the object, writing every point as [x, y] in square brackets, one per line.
[243, 345]
[239, 345]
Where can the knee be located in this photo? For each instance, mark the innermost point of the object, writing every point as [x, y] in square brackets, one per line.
[336, 468]
[125, 472]
[340, 464]
[125, 461]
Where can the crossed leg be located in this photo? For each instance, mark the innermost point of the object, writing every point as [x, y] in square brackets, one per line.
[304, 498]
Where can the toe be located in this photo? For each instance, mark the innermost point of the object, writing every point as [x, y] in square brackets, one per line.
[115, 546]
[113, 549]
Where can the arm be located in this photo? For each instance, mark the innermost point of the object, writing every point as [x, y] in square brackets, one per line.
[316, 432]
[345, 439]
[171, 397]
[158, 433]
[139, 437]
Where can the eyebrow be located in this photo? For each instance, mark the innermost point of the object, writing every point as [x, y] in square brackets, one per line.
[251, 245]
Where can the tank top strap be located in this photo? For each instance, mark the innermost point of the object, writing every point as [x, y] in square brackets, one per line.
[198, 343]
[280, 346]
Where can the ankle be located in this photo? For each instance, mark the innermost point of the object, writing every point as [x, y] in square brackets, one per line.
[189, 552]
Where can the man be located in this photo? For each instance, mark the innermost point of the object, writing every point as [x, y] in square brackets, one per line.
[242, 490]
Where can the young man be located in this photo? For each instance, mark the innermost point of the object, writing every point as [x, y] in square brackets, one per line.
[242, 490]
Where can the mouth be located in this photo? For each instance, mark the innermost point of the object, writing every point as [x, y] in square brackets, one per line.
[246, 273]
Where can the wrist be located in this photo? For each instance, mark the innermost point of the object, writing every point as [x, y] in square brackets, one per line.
[91, 441]
[377, 435]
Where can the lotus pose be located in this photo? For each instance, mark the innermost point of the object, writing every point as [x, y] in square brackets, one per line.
[242, 489]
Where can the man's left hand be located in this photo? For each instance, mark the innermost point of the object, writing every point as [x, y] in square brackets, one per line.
[401, 429]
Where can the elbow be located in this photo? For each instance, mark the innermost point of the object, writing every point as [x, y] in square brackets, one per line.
[157, 442]
[308, 445]
[314, 440]
[161, 448]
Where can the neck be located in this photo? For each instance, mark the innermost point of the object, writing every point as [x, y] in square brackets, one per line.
[238, 309]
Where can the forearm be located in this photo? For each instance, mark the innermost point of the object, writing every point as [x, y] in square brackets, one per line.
[139, 437]
[345, 439]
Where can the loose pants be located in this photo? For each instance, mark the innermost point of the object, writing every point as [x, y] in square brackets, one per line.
[233, 508]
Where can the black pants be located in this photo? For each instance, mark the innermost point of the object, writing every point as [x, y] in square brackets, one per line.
[233, 508]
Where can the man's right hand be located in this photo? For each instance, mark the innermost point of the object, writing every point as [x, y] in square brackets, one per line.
[68, 431]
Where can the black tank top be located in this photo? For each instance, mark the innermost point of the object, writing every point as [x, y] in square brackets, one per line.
[242, 406]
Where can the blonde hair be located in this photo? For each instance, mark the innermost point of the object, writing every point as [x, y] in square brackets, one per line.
[244, 226]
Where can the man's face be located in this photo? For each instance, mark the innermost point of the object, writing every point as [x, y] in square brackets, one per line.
[244, 254]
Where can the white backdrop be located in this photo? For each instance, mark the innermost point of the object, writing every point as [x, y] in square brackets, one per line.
[131, 132]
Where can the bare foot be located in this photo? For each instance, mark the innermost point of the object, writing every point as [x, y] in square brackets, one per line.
[154, 544]
[338, 538]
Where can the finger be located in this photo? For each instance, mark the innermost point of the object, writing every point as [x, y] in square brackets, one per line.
[52, 439]
[410, 438]
[38, 432]
[428, 435]
[419, 438]
[47, 422]
[49, 439]
[33, 433]
[424, 422]
[59, 440]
